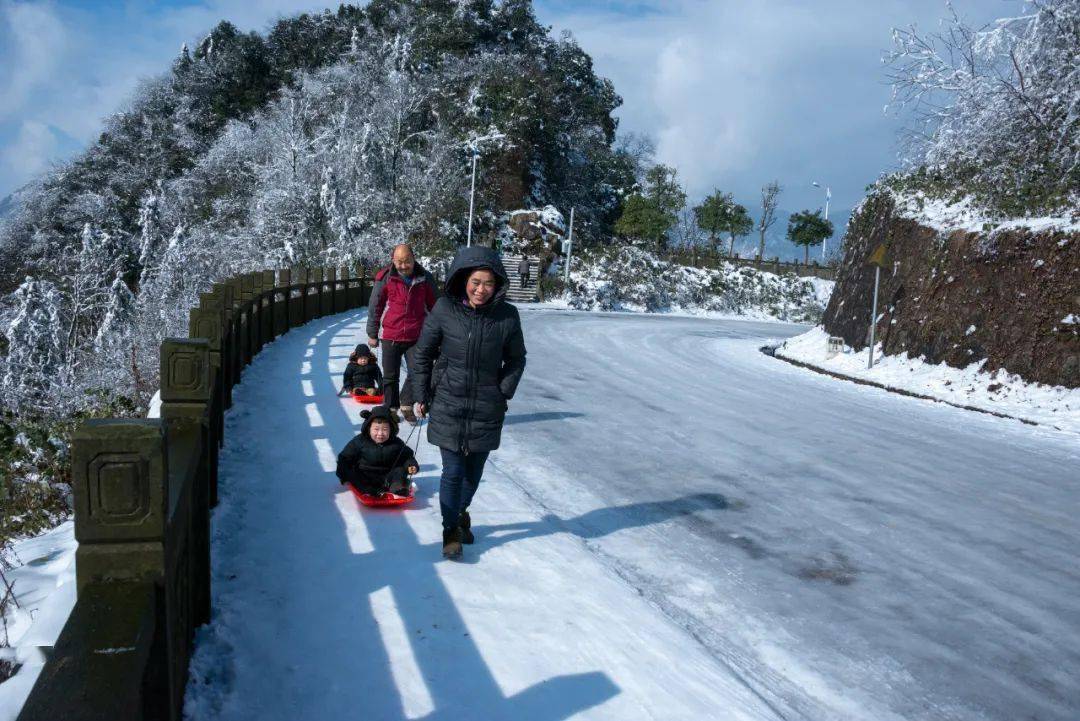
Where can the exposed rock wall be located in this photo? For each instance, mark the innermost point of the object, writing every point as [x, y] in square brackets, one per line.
[1010, 297]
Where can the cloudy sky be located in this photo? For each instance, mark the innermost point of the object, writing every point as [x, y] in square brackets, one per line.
[735, 92]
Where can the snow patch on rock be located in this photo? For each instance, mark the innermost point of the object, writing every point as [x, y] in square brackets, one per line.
[946, 216]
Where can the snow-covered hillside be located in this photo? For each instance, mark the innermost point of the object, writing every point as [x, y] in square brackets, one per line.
[629, 278]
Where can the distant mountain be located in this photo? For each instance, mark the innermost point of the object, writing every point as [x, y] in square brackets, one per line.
[14, 199]
[7, 204]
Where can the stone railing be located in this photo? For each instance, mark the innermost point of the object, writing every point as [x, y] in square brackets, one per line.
[710, 259]
[143, 491]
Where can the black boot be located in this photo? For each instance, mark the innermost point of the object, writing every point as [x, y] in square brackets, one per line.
[465, 525]
[451, 543]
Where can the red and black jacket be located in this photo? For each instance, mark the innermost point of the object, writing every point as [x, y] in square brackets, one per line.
[397, 309]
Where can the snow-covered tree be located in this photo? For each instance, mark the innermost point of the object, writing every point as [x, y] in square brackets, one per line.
[997, 108]
[37, 361]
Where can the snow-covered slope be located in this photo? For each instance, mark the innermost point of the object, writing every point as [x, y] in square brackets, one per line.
[44, 584]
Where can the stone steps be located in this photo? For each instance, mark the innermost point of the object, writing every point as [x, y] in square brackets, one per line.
[515, 292]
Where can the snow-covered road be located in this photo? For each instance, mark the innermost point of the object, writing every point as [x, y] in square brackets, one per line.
[676, 527]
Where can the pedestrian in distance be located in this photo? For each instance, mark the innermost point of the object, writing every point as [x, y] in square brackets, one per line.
[401, 297]
[524, 271]
[467, 365]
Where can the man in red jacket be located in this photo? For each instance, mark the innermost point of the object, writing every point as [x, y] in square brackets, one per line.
[400, 300]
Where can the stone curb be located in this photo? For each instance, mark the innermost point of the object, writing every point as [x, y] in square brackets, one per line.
[771, 351]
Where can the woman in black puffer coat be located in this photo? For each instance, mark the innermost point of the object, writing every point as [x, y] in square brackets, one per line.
[469, 360]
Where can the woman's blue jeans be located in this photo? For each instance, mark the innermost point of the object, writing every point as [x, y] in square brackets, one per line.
[460, 476]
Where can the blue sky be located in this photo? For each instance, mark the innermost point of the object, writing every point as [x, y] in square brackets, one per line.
[735, 92]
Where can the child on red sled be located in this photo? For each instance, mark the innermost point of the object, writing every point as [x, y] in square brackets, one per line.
[376, 460]
[362, 373]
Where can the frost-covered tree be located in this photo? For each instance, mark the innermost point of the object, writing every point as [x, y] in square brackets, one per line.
[335, 136]
[37, 363]
[997, 108]
[770, 198]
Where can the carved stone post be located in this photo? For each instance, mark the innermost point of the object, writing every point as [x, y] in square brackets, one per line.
[246, 350]
[258, 339]
[316, 277]
[185, 394]
[326, 292]
[228, 341]
[270, 291]
[118, 477]
[298, 303]
[283, 307]
[206, 322]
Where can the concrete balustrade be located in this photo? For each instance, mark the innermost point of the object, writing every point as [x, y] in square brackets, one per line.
[143, 490]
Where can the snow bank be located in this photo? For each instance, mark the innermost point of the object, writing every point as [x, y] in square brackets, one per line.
[999, 392]
[44, 585]
[946, 216]
[631, 279]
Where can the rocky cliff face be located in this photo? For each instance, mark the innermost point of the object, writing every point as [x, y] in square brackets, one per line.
[1010, 296]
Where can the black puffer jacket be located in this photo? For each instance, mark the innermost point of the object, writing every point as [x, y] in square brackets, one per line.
[363, 376]
[363, 458]
[481, 356]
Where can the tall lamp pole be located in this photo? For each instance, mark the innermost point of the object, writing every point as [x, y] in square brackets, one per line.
[472, 197]
[569, 247]
[828, 194]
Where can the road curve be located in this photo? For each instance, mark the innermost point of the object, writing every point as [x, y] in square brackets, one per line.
[849, 553]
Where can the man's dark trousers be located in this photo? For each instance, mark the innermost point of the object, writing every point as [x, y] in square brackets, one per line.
[392, 353]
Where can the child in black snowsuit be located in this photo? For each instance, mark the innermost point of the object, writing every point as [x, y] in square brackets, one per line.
[362, 372]
[377, 460]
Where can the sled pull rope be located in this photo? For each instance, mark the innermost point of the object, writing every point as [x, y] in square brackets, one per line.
[398, 456]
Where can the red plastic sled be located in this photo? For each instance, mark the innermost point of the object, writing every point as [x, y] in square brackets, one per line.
[361, 398]
[383, 500]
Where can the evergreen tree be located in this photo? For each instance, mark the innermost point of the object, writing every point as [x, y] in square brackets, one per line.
[714, 214]
[650, 214]
[642, 219]
[807, 229]
[739, 224]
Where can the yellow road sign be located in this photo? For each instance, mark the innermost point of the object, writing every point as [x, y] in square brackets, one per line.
[878, 257]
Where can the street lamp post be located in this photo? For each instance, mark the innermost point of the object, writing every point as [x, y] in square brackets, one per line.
[828, 195]
[569, 247]
[472, 197]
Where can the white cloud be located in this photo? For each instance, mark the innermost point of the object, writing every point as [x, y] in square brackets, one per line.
[738, 92]
[69, 68]
[29, 154]
[34, 43]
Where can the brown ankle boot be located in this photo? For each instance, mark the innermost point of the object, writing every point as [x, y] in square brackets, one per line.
[465, 526]
[451, 543]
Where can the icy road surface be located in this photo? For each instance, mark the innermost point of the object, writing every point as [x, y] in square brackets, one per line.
[676, 527]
